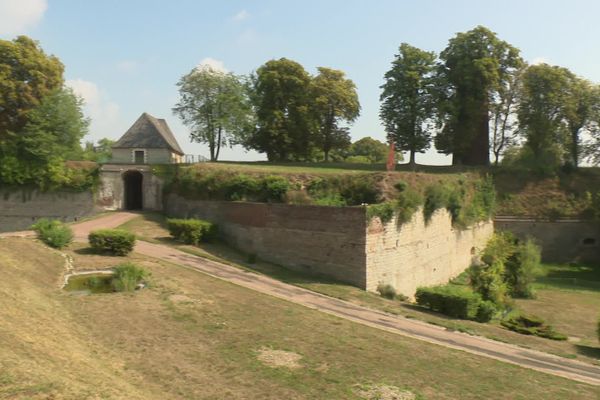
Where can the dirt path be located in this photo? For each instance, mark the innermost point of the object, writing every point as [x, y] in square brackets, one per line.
[392, 323]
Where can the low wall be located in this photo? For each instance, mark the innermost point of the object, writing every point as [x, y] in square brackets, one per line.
[341, 243]
[418, 254]
[561, 241]
[321, 240]
[21, 207]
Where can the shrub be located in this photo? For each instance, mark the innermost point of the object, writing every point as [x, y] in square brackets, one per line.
[436, 197]
[387, 291]
[454, 301]
[385, 212]
[191, 231]
[53, 232]
[331, 200]
[274, 188]
[522, 268]
[532, 325]
[115, 241]
[408, 202]
[486, 311]
[127, 276]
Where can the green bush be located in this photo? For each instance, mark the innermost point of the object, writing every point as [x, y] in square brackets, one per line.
[436, 197]
[387, 291]
[532, 325]
[114, 241]
[53, 232]
[454, 301]
[522, 267]
[486, 311]
[191, 231]
[407, 203]
[385, 212]
[331, 200]
[127, 276]
[274, 188]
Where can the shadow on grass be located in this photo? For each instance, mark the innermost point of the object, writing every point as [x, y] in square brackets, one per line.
[588, 351]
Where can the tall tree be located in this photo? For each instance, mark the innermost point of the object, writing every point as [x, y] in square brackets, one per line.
[544, 104]
[215, 106]
[27, 75]
[407, 103]
[285, 123]
[475, 64]
[335, 101]
[503, 116]
[580, 114]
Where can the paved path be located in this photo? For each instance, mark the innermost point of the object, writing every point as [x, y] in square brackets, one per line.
[536, 360]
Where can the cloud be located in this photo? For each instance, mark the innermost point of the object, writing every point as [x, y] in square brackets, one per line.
[127, 65]
[539, 60]
[103, 112]
[213, 64]
[17, 16]
[241, 16]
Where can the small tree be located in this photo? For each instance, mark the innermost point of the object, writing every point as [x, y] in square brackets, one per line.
[407, 102]
[522, 267]
[215, 106]
[335, 101]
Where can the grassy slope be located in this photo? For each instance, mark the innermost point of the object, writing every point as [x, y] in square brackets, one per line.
[553, 304]
[192, 337]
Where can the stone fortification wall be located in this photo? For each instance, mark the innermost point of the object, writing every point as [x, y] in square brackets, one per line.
[21, 207]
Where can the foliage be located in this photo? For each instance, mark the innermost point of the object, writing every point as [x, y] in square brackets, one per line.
[114, 241]
[127, 276]
[522, 267]
[334, 101]
[216, 107]
[486, 311]
[365, 151]
[454, 301]
[285, 123]
[475, 66]
[532, 325]
[354, 190]
[386, 290]
[101, 152]
[384, 211]
[53, 232]
[407, 100]
[191, 231]
[503, 110]
[408, 202]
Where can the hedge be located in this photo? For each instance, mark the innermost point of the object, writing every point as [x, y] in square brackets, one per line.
[455, 301]
[53, 232]
[191, 231]
[532, 325]
[115, 241]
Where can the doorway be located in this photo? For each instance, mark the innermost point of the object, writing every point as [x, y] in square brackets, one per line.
[132, 180]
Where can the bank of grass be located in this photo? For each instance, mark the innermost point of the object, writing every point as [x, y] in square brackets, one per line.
[193, 336]
[552, 304]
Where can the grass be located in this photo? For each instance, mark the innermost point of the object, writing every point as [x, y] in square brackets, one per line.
[192, 336]
[556, 310]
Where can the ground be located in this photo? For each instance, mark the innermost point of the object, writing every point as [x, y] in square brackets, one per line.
[565, 296]
[191, 336]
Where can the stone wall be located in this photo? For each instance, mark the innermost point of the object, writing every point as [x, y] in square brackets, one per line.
[561, 241]
[319, 240]
[111, 194]
[421, 254]
[21, 207]
[339, 242]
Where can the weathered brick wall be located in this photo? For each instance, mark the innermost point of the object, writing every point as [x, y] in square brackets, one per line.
[21, 207]
[561, 241]
[319, 240]
[421, 254]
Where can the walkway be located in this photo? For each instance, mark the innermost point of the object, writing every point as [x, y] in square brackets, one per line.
[536, 360]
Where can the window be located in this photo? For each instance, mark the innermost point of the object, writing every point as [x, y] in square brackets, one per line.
[589, 242]
[139, 156]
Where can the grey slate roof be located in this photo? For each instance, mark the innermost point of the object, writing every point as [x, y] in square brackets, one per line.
[149, 132]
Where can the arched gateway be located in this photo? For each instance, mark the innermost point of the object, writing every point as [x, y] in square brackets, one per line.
[134, 194]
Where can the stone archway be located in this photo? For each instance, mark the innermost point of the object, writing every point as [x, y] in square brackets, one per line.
[134, 193]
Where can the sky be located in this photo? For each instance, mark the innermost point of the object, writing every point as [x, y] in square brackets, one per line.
[124, 57]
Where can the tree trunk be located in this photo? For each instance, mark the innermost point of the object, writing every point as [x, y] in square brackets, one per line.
[412, 161]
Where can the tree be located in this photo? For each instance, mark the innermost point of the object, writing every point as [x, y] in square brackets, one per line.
[51, 135]
[580, 114]
[503, 116]
[285, 123]
[407, 104]
[475, 65]
[545, 95]
[27, 75]
[334, 101]
[215, 106]
[101, 152]
[373, 150]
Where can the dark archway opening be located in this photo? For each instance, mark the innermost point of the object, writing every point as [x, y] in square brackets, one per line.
[132, 181]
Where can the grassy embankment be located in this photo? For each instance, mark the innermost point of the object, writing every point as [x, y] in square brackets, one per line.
[568, 297]
[191, 336]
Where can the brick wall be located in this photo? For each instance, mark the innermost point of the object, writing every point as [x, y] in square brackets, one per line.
[21, 207]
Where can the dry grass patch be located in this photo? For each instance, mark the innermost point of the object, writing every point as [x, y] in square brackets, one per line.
[384, 392]
[279, 358]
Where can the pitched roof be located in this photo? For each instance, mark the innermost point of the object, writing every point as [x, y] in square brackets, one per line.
[149, 132]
